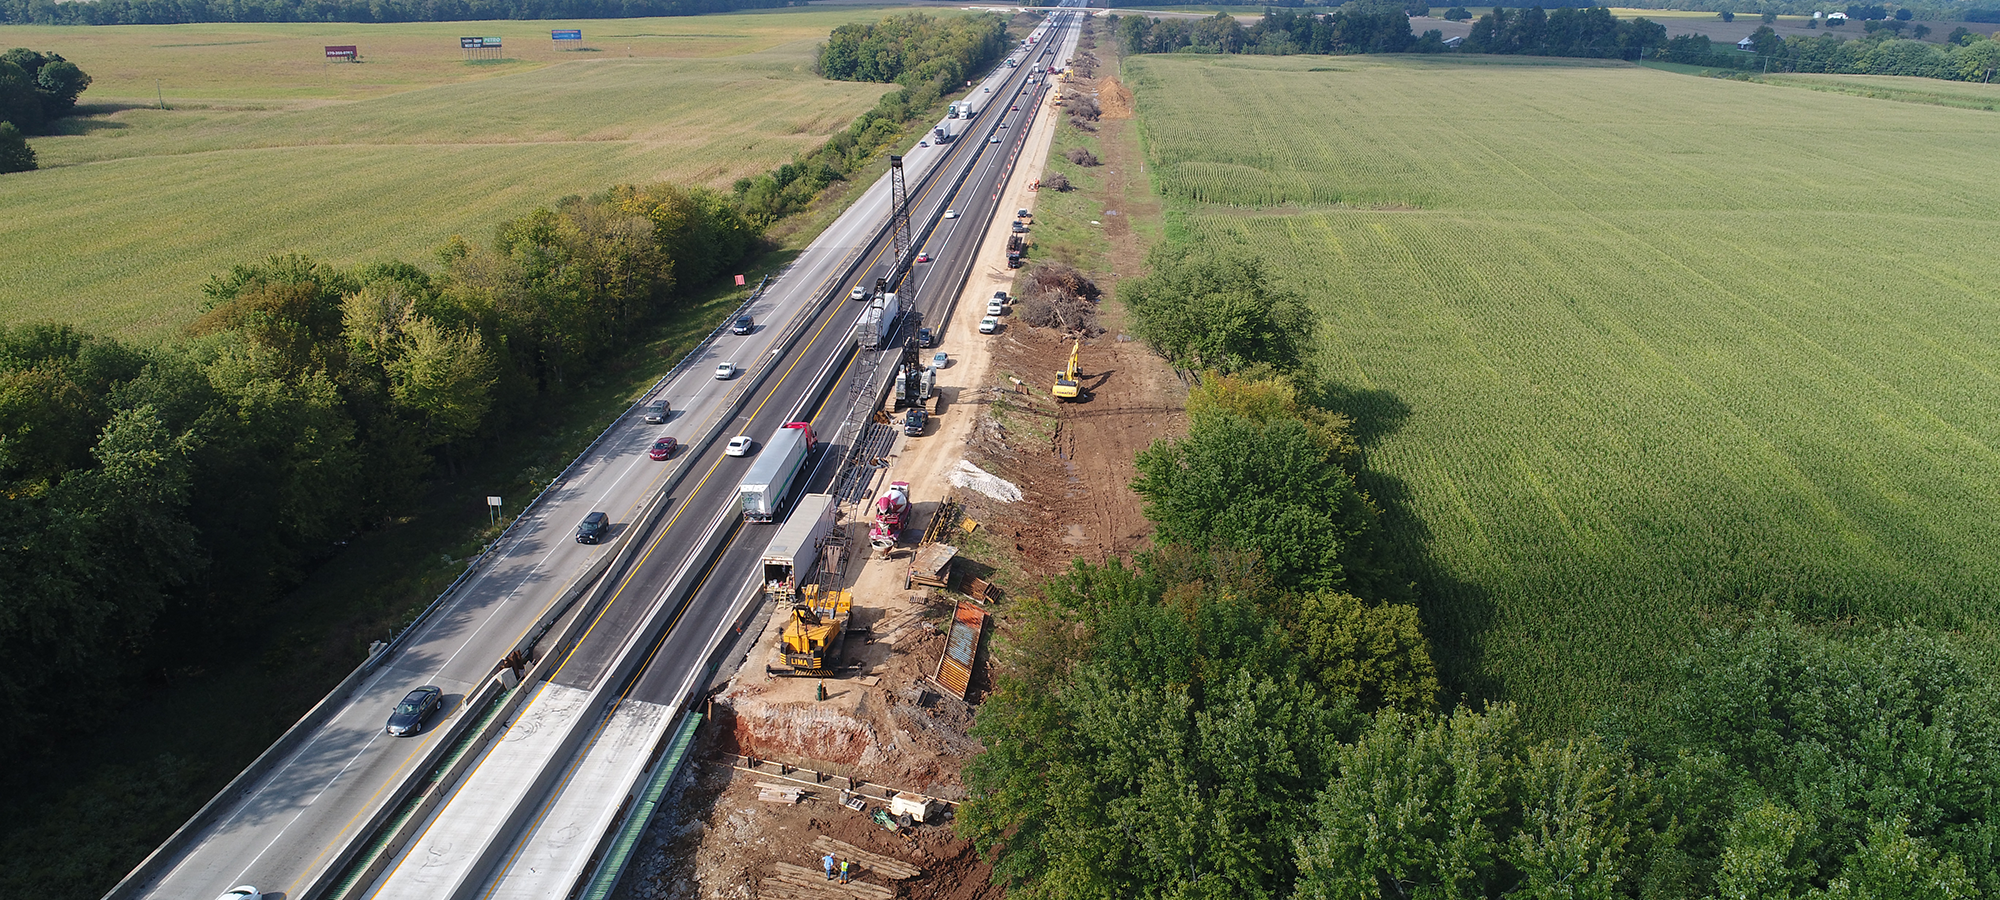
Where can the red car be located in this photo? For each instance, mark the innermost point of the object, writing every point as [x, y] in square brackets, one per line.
[663, 448]
[923, 257]
[1013, 107]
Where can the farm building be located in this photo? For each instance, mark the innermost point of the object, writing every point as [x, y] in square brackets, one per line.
[1451, 43]
[1746, 44]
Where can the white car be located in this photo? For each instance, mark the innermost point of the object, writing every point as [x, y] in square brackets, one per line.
[242, 892]
[989, 325]
[993, 140]
[859, 293]
[725, 371]
[951, 214]
[738, 446]
[995, 308]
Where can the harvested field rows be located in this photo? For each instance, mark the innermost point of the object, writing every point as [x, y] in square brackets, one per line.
[1651, 347]
[137, 207]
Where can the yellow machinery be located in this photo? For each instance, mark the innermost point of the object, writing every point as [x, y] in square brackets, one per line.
[811, 640]
[1066, 387]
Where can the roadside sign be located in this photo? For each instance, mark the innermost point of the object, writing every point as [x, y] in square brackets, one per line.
[347, 53]
[572, 34]
[480, 47]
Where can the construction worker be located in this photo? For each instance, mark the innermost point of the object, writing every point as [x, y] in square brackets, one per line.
[828, 863]
[846, 871]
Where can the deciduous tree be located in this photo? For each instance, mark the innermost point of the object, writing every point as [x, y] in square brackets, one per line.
[1207, 309]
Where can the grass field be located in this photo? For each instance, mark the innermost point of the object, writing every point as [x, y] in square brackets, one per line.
[264, 148]
[1629, 349]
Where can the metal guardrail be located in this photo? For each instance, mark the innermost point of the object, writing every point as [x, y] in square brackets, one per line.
[170, 849]
[621, 840]
[333, 701]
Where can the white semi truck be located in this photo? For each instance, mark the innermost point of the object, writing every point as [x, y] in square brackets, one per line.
[762, 491]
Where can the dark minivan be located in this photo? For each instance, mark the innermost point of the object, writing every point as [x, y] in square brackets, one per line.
[593, 528]
[743, 325]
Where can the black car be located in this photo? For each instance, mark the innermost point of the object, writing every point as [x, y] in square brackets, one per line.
[593, 528]
[416, 709]
[742, 325]
[926, 338]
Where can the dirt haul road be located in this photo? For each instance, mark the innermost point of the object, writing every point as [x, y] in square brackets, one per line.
[886, 724]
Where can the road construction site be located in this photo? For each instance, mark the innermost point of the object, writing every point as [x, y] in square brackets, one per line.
[1004, 485]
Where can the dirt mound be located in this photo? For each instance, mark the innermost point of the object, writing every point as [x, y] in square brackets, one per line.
[1114, 99]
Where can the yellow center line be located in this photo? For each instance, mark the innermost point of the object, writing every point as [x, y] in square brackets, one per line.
[633, 571]
[548, 804]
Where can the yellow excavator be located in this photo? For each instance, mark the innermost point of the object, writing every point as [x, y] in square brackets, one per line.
[811, 639]
[1067, 386]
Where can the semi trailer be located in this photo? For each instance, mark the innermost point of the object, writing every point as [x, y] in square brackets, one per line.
[762, 491]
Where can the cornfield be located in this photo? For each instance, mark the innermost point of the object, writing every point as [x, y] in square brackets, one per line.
[1628, 350]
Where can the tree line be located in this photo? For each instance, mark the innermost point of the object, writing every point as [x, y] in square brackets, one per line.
[1588, 32]
[178, 12]
[35, 90]
[1377, 27]
[927, 56]
[1250, 708]
[148, 493]
[913, 48]
[1968, 57]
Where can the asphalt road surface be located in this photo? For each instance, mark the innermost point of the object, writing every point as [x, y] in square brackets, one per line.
[283, 830]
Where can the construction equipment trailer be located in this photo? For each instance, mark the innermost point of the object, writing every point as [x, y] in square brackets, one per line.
[788, 561]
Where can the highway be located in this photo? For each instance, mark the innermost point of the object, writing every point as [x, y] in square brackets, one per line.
[557, 788]
[290, 824]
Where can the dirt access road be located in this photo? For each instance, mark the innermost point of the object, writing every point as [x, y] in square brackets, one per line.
[736, 833]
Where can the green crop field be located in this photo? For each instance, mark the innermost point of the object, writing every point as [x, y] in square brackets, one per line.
[264, 148]
[1629, 349]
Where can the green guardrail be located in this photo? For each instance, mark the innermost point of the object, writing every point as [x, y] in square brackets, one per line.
[619, 854]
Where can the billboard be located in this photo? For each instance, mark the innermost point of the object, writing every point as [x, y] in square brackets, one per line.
[570, 35]
[479, 43]
[349, 53]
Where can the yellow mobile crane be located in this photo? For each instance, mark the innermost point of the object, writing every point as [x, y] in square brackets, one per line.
[1066, 387]
[811, 641]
